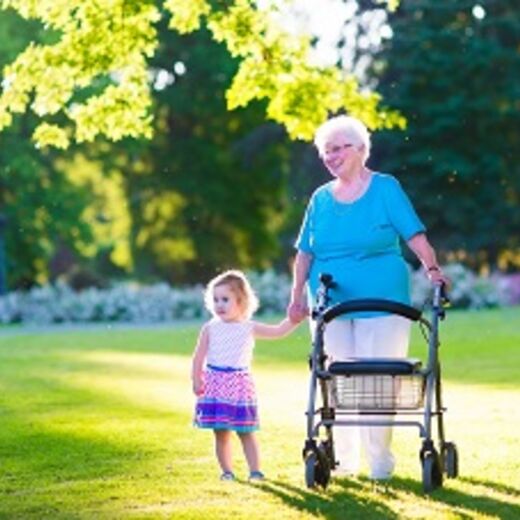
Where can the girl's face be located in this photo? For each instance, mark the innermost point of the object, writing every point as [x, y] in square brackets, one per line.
[225, 303]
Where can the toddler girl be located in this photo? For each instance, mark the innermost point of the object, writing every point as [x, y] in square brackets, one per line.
[222, 381]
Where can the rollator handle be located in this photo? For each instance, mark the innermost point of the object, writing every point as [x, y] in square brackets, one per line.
[327, 280]
[440, 299]
[322, 296]
[444, 295]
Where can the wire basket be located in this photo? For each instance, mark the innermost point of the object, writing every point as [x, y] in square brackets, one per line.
[378, 392]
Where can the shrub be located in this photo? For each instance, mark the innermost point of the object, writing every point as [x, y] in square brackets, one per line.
[468, 290]
[510, 284]
[131, 302]
[272, 289]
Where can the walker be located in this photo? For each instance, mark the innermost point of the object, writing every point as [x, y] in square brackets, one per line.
[376, 386]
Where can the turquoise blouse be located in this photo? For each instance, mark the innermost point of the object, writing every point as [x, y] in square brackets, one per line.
[358, 242]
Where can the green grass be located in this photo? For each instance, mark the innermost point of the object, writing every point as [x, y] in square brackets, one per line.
[96, 423]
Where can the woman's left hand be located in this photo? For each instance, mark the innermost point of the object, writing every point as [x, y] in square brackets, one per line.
[435, 275]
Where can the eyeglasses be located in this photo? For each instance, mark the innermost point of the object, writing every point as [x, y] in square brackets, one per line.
[333, 150]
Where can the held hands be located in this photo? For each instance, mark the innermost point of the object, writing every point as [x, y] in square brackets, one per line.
[297, 311]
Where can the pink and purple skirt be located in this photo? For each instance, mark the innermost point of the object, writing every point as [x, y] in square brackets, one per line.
[228, 401]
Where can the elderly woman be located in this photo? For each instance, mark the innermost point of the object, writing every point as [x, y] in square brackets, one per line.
[351, 230]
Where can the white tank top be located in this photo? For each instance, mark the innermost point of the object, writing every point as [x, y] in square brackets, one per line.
[230, 343]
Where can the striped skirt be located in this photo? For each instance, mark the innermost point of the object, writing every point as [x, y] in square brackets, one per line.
[228, 401]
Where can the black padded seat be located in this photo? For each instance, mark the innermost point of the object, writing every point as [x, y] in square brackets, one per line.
[378, 366]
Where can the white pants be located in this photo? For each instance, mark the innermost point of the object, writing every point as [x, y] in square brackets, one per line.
[385, 336]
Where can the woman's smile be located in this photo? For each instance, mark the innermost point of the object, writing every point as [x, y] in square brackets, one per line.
[334, 164]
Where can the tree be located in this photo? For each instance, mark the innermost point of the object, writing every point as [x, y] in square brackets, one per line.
[41, 205]
[92, 77]
[452, 70]
[209, 191]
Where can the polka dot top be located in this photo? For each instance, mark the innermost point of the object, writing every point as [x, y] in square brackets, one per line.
[230, 343]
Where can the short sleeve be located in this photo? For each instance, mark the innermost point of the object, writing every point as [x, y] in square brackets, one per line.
[303, 242]
[400, 210]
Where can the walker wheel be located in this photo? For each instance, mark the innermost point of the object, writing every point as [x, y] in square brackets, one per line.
[450, 458]
[323, 469]
[326, 448]
[311, 461]
[431, 471]
[317, 468]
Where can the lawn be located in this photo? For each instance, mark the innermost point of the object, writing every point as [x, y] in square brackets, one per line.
[96, 423]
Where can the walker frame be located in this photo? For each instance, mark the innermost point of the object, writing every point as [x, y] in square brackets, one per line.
[354, 389]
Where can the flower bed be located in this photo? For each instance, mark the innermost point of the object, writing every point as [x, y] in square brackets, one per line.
[159, 303]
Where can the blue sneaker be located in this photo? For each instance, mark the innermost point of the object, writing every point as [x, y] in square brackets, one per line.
[256, 476]
[227, 475]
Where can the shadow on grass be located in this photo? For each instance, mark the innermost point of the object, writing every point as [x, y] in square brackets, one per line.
[32, 455]
[351, 500]
[41, 469]
[52, 431]
[49, 448]
[360, 499]
[470, 502]
[495, 486]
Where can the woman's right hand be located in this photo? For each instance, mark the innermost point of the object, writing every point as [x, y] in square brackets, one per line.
[297, 311]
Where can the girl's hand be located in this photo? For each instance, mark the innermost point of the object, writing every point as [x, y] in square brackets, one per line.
[198, 385]
[297, 312]
[298, 317]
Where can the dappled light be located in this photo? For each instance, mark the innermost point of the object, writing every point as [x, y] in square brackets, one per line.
[104, 420]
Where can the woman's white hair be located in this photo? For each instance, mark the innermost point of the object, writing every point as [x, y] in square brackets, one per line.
[350, 127]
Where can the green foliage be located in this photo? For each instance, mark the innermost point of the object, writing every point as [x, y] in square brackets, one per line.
[94, 39]
[275, 67]
[392, 4]
[454, 76]
[42, 207]
[43, 210]
[186, 16]
[94, 76]
[208, 191]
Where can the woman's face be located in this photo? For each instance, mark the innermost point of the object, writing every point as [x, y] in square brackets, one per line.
[340, 155]
[225, 303]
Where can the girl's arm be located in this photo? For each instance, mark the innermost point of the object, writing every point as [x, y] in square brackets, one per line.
[199, 357]
[422, 248]
[266, 331]
[297, 308]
